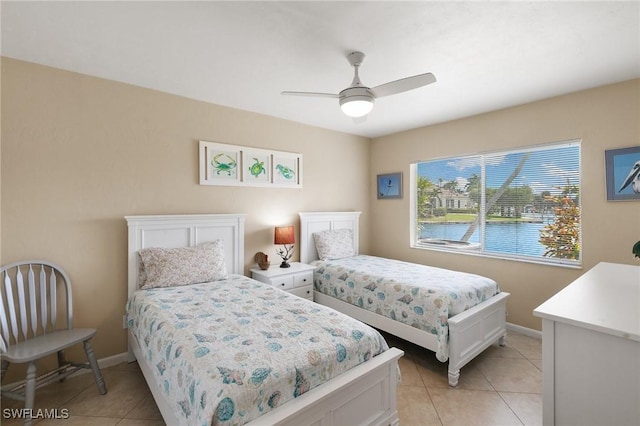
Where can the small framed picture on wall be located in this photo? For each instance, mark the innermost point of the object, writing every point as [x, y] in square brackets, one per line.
[622, 168]
[219, 164]
[256, 166]
[389, 186]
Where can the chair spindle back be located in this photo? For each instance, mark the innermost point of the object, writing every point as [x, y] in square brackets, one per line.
[29, 308]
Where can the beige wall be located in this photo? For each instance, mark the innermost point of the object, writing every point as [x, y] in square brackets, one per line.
[604, 118]
[0, 162]
[79, 153]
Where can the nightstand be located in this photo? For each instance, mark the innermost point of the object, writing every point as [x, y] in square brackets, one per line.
[297, 280]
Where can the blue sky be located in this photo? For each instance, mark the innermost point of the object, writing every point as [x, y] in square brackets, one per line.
[542, 171]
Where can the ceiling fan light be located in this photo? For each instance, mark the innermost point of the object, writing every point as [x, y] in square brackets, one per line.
[356, 106]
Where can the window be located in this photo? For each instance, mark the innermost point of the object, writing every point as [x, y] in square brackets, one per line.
[521, 204]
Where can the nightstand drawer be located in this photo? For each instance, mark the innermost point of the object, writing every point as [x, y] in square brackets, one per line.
[305, 292]
[283, 283]
[297, 279]
[304, 278]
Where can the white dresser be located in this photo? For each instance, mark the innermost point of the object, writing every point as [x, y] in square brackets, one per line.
[297, 279]
[591, 349]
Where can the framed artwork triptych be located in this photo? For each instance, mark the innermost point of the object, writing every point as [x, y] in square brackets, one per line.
[228, 165]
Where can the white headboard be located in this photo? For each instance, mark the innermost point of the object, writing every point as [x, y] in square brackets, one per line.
[171, 231]
[321, 221]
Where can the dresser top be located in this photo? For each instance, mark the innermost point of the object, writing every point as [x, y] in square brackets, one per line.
[605, 299]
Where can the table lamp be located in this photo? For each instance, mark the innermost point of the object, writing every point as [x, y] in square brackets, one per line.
[284, 235]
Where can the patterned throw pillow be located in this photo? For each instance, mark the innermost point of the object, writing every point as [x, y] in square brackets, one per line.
[170, 267]
[335, 244]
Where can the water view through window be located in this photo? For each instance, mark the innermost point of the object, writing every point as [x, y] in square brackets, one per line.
[521, 203]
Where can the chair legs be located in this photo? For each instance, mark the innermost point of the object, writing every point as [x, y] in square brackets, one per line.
[30, 392]
[5, 367]
[61, 362]
[32, 381]
[102, 388]
[30, 389]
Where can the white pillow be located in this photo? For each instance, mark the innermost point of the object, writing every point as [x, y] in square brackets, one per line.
[335, 244]
[170, 267]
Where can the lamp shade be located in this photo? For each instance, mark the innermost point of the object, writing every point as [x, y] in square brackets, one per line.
[284, 235]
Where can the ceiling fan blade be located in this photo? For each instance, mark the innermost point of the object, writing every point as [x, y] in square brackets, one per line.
[404, 84]
[314, 94]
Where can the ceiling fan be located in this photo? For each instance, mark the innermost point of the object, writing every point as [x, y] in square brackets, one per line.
[357, 100]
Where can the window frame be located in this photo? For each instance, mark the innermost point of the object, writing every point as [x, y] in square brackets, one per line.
[481, 251]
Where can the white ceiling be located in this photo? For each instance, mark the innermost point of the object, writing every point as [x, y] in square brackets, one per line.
[485, 55]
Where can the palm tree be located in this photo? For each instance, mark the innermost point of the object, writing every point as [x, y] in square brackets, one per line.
[434, 197]
[496, 196]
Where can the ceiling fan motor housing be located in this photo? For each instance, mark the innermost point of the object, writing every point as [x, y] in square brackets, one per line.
[356, 101]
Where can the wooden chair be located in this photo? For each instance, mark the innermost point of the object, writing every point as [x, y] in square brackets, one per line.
[32, 328]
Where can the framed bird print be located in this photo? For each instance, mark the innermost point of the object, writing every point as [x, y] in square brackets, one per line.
[622, 168]
[390, 186]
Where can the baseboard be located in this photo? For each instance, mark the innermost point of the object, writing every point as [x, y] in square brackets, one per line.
[112, 360]
[524, 330]
[107, 362]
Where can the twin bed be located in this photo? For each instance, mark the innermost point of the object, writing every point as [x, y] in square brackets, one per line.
[453, 314]
[219, 348]
[237, 351]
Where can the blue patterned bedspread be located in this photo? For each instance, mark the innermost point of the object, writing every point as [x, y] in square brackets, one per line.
[418, 295]
[228, 351]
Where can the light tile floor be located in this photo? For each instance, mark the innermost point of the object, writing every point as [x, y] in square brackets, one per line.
[502, 386]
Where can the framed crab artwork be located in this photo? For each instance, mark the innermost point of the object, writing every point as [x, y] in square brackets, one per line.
[219, 164]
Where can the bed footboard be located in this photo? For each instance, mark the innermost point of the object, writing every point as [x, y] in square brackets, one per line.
[364, 395]
[470, 332]
[474, 330]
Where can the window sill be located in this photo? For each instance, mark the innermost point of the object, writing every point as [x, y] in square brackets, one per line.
[473, 249]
